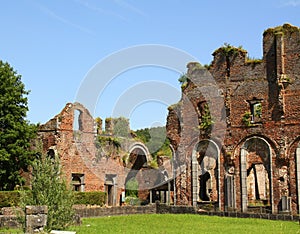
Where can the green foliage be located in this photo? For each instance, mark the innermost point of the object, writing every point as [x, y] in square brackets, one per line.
[90, 198]
[49, 188]
[15, 131]
[98, 121]
[228, 50]
[247, 118]
[183, 80]
[257, 110]
[132, 187]
[155, 140]
[110, 145]
[143, 135]
[9, 198]
[206, 119]
[253, 60]
[164, 150]
[133, 201]
[154, 164]
[121, 127]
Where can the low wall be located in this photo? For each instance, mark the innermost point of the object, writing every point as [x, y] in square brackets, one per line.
[165, 209]
[158, 208]
[85, 211]
[9, 220]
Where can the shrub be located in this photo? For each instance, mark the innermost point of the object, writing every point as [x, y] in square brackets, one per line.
[90, 198]
[133, 201]
[9, 198]
[132, 187]
[50, 189]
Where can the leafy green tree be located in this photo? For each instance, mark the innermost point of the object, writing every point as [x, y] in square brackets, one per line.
[121, 127]
[49, 188]
[143, 135]
[15, 131]
[132, 187]
[156, 141]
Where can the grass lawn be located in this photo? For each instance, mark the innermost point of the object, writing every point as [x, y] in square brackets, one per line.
[183, 223]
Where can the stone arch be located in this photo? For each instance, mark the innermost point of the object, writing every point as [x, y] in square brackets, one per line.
[205, 172]
[256, 172]
[294, 169]
[140, 146]
[137, 162]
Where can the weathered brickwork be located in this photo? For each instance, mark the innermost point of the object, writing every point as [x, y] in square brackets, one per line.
[251, 147]
[92, 161]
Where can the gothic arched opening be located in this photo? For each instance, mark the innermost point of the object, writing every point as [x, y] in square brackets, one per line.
[137, 161]
[205, 172]
[255, 173]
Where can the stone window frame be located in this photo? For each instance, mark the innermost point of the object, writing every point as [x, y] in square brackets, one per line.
[78, 184]
[255, 106]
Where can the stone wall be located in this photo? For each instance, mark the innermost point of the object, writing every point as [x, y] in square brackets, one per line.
[98, 162]
[272, 85]
[86, 212]
[12, 221]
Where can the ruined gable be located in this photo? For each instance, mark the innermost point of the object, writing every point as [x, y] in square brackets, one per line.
[255, 130]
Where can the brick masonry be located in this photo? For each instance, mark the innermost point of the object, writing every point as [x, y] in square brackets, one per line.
[89, 165]
[255, 133]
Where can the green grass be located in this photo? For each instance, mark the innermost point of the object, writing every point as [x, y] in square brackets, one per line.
[179, 223]
[10, 230]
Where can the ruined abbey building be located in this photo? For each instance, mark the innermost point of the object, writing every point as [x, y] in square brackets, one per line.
[93, 160]
[235, 137]
[239, 149]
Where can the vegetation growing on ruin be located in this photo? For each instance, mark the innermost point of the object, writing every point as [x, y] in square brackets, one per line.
[206, 119]
[254, 61]
[183, 80]
[228, 50]
[282, 29]
[108, 146]
[175, 106]
[246, 119]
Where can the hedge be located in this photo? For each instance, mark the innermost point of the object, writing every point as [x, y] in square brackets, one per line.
[12, 198]
[90, 198]
[9, 198]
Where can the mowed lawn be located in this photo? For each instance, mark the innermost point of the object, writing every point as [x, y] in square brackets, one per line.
[183, 223]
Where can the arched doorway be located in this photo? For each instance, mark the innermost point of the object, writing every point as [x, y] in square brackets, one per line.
[256, 173]
[205, 172]
[137, 161]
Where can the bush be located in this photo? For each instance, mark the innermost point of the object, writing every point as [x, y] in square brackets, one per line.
[132, 187]
[49, 188]
[90, 198]
[9, 198]
[133, 201]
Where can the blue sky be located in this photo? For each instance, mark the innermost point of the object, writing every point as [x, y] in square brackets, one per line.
[54, 44]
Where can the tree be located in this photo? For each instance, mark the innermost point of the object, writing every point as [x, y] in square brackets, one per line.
[49, 188]
[121, 127]
[15, 131]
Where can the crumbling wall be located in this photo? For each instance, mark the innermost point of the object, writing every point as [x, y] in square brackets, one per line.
[270, 84]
